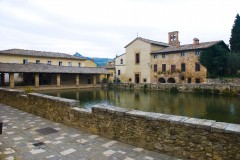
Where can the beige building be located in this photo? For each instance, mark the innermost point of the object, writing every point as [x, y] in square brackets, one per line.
[39, 68]
[150, 61]
[138, 59]
[120, 67]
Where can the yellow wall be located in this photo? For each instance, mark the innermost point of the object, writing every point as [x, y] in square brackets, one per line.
[54, 61]
[143, 68]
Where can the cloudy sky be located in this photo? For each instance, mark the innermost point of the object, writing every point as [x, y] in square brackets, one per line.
[101, 28]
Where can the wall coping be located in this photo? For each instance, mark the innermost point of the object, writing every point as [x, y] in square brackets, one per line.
[210, 125]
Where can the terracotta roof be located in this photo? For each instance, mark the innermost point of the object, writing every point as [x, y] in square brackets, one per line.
[23, 52]
[188, 47]
[45, 68]
[148, 41]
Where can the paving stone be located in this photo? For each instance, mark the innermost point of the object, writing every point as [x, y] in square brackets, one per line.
[45, 139]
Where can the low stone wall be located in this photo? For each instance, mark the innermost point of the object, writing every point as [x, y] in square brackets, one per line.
[179, 136]
[186, 87]
[232, 81]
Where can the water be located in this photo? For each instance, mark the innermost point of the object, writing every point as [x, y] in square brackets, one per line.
[219, 108]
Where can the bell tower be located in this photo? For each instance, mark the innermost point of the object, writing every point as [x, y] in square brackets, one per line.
[173, 39]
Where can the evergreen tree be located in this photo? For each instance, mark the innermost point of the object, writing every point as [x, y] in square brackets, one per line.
[215, 60]
[235, 36]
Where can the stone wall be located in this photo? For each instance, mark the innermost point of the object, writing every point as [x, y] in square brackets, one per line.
[232, 81]
[186, 87]
[179, 136]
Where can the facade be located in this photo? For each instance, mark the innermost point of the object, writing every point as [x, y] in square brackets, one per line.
[138, 59]
[150, 61]
[110, 67]
[120, 67]
[35, 68]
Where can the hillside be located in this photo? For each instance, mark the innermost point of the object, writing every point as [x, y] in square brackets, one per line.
[97, 60]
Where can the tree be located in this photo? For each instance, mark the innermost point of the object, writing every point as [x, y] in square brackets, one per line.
[233, 63]
[235, 36]
[215, 60]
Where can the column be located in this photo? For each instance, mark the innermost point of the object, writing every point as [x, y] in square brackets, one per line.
[108, 77]
[11, 80]
[2, 79]
[94, 80]
[58, 79]
[77, 79]
[36, 78]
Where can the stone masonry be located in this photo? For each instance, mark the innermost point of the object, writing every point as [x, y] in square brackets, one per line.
[183, 137]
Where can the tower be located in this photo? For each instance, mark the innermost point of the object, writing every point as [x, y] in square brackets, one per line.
[173, 39]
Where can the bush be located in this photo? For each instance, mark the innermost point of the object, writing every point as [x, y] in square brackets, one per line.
[207, 91]
[174, 90]
[216, 91]
[28, 89]
[145, 86]
[104, 80]
[227, 92]
[197, 90]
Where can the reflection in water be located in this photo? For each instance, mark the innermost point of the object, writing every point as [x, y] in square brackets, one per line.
[226, 109]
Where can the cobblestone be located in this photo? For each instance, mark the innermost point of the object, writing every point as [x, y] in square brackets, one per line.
[22, 141]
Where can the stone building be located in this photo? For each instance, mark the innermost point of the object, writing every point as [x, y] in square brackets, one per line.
[110, 67]
[149, 61]
[39, 68]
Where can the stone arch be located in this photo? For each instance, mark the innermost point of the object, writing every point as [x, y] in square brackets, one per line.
[171, 80]
[161, 80]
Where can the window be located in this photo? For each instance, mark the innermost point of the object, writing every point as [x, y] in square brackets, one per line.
[183, 54]
[121, 61]
[197, 66]
[79, 64]
[49, 62]
[197, 80]
[163, 55]
[198, 53]
[183, 67]
[173, 68]
[155, 56]
[69, 64]
[130, 79]
[163, 67]
[37, 61]
[119, 72]
[25, 61]
[144, 79]
[137, 60]
[60, 63]
[155, 67]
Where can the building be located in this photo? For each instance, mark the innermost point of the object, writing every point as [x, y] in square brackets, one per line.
[149, 61]
[110, 67]
[138, 59]
[39, 68]
[120, 67]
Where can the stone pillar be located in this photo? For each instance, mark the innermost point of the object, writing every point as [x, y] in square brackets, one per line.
[2, 79]
[108, 77]
[77, 95]
[77, 79]
[58, 79]
[94, 80]
[36, 78]
[11, 80]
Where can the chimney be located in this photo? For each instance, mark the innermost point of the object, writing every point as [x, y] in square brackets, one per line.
[173, 39]
[196, 41]
[178, 44]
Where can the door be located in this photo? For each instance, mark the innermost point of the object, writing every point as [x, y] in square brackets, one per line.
[137, 78]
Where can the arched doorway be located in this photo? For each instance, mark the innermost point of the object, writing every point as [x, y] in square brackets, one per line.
[171, 80]
[161, 80]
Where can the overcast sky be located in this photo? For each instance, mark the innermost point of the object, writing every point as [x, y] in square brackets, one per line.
[101, 28]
